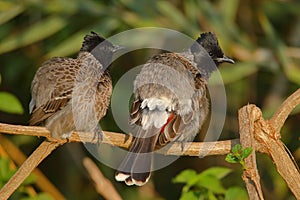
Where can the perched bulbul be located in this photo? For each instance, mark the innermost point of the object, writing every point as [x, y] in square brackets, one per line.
[169, 104]
[73, 94]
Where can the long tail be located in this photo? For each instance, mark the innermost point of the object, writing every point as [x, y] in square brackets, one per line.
[136, 167]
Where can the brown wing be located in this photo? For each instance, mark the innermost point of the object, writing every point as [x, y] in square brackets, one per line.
[52, 88]
[103, 94]
[45, 111]
[136, 112]
[171, 131]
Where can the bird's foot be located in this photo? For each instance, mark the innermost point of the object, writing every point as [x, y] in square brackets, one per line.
[98, 135]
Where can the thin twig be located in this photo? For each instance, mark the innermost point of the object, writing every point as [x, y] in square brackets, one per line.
[18, 157]
[103, 186]
[284, 110]
[27, 167]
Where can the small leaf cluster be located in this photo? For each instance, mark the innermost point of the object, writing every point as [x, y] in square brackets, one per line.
[9, 103]
[207, 185]
[238, 155]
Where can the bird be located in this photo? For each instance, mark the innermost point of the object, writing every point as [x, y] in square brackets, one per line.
[169, 103]
[73, 93]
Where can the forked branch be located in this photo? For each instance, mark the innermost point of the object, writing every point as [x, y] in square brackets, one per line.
[264, 136]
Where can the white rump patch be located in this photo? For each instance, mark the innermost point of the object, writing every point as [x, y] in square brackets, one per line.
[155, 112]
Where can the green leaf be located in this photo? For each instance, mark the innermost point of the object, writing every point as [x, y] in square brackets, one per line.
[185, 176]
[10, 12]
[36, 32]
[236, 193]
[246, 152]
[236, 148]
[211, 195]
[5, 171]
[231, 158]
[190, 195]
[238, 155]
[211, 183]
[4, 168]
[219, 172]
[10, 104]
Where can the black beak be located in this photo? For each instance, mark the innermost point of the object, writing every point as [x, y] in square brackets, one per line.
[225, 59]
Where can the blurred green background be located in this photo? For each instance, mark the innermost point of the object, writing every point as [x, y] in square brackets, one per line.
[262, 36]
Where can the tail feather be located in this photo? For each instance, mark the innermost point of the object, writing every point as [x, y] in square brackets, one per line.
[136, 167]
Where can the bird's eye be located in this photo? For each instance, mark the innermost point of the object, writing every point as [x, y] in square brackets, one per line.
[211, 54]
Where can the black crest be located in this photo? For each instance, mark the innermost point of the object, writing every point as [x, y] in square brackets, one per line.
[210, 43]
[91, 41]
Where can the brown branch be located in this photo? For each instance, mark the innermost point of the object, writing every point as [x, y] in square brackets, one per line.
[285, 166]
[112, 138]
[201, 149]
[115, 139]
[103, 186]
[18, 157]
[250, 175]
[12, 165]
[266, 135]
[123, 140]
[284, 110]
[27, 167]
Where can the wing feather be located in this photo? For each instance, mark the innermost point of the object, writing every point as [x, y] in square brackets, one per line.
[53, 83]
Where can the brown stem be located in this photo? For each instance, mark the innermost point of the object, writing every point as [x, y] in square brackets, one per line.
[27, 167]
[284, 110]
[103, 186]
[18, 157]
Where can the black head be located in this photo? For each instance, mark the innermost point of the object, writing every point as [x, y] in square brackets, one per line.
[93, 40]
[210, 43]
[101, 48]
